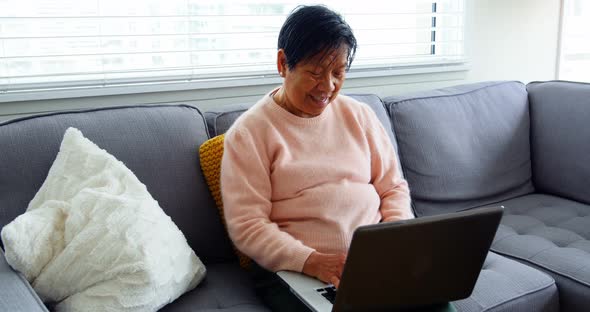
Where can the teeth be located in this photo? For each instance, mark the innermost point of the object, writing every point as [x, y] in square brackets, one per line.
[320, 98]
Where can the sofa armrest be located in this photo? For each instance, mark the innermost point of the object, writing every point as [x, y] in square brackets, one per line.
[16, 294]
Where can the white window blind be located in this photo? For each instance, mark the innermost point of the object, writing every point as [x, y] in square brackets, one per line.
[53, 44]
[574, 60]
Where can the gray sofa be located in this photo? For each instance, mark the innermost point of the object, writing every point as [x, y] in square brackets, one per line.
[525, 147]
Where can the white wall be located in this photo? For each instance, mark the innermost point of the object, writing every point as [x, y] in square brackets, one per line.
[504, 40]
[512, 40]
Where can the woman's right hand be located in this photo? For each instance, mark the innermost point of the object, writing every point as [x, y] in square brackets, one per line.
[325, 267]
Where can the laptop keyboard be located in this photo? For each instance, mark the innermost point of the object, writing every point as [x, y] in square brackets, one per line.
[328, 293]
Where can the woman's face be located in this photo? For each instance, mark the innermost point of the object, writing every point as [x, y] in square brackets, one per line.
[310, 86]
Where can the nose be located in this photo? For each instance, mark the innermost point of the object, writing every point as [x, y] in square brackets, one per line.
[327, 83]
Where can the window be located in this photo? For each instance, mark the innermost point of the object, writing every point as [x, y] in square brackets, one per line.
[574, 59]
[53, 44]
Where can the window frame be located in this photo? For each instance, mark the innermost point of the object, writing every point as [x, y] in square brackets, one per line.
[559, 64]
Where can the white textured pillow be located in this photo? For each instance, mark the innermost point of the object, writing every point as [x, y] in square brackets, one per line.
[94, 239]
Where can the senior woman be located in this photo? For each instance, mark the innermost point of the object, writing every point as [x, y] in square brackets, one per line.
[305, 166]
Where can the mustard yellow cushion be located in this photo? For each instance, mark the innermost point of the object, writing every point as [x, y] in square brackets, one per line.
[210, 153]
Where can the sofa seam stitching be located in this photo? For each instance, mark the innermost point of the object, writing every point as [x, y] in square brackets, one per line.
[536, 290]
[96, 109]
[542, 266]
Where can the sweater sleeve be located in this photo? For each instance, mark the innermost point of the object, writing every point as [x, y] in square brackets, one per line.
[246, 193]
[385, 174]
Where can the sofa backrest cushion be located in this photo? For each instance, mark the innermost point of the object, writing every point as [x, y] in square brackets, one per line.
[222, 118]
[160, 144]
[219, 120]
[560, 138]
[464, 146]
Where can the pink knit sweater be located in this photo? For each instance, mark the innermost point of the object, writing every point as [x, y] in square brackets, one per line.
[292, 185]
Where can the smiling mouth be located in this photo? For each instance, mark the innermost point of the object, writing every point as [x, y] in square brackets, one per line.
[321, 99]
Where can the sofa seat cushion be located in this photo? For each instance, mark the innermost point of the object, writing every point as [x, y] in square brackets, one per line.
[16, 294]
[551, 233]
[227, 287]
[507, 285]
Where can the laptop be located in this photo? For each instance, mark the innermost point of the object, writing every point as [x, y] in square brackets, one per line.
[406, 265]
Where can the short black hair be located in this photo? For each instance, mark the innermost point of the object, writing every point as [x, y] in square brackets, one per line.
[310, 30]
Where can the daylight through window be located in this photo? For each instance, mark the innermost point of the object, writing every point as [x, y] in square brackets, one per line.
[574, 62]
[47, 44]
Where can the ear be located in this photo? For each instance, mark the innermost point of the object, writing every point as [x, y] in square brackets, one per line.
[281, 62]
